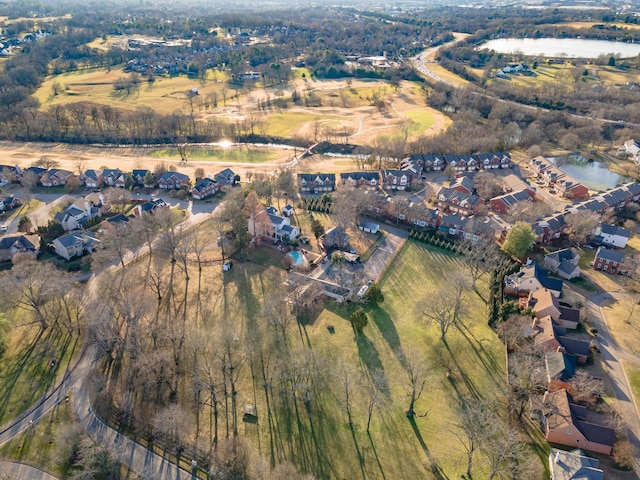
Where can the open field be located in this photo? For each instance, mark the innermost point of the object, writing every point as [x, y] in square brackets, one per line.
[322, 441]
[591, 24]
[344, 102]
[240, 155]
[25, 368]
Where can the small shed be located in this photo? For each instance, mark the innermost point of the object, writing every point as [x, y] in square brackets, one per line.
[369, 227]
[287, 211]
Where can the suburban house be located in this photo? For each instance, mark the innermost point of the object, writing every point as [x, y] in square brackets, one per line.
[75, 244]
[149, 207]
[110, 175]
[463, 184]
[335, 237]
[566, 423]
[92, 178]
[458, 202]
[491, 161]
[361, 179]
[9, 202]
[544, 303]
[225, 177]
[55, 177]
[369, 227]
[10, 173]
[560, 366]
[563, 263]
[173, 180]
[612, 235]
[12, 245]
[316, 183]
[395, 179]
[592, 205]
[76, 214]
[569, 189]
[610, 261]
[631, 147]
[36, 171]
[461, 163]
[538, 165]
[503, 203]
[139, 176]
[121, 182]
[422, 217]
[531, 278]
[550, 337]
[268, 224]
[573, 465]
[549, 228]
[458, 226]
[287, 210]
[204, 188]
[111, 224]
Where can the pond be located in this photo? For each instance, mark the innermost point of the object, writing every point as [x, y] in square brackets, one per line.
[562, 47]
[594, 175]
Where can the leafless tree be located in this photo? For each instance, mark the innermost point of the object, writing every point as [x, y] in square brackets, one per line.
[417, 369]
[480, 257]
[448, 304]
[476, 423]
[584, 387]
[374, 388]
[581, 225]
[512, 331]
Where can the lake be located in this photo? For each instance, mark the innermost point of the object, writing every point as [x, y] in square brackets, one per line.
[594, 175]
[567, 47]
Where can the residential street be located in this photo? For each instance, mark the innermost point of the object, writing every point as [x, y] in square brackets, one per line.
[611, 355]
[20, 471]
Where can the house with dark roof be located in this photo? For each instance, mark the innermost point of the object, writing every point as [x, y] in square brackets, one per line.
[316, 182]
[112, 224]
[368, 180]
[9, 202]
[204, 188]
[633, 189]
[563, 263]
[10, 173]
[538, 165]
[612, 235]
[461, 163]
[503, 203]
[395, 179]
[592, 205]
[268, 224]
[458, 225]
[573, 465]
[549, 228]
[92, 178]
[463, 184]
[139, 175]
[491, 161]
[457, 202]
[173, 180]
[226, 177]
[544, 303]
[559, 366]
[11, 245]
[531, 278]
[566, 423]
[610, 261]
[570, 189]
[75, 244]
[55, 177]
[110, 175]
[74, 215]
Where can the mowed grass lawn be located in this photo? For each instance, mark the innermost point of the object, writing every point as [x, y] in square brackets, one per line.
[286, 124]
[239, 155]
[421, 120]
[395, 448]
[25, 368]
[164, 95]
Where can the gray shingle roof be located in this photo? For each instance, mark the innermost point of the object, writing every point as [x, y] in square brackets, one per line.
[612, 255]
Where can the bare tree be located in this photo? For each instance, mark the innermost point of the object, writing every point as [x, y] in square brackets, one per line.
[447, 305]
[476, 422]
[416, 375]
[584, 387]
[581, 225]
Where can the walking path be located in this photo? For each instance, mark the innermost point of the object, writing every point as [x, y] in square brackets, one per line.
[20, 471]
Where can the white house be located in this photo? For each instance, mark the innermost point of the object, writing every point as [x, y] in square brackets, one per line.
[612, 235]
[268, 224]
[75, 244]
[74, 215]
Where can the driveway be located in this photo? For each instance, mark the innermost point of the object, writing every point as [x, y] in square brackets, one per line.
[375, 266]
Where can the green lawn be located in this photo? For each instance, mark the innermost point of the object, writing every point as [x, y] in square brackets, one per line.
[397, 448]
[633, 373]
[239, 155]
[23, 209]
[25, 371]
[285, 124]
[421, 120]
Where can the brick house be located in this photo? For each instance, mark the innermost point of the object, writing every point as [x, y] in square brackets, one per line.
[396, 179]
[316, 183]
[369, 180]
[503, 203]
[204, 188]
[458, 202]
[173, 180]
[610, 261]
[569, 189]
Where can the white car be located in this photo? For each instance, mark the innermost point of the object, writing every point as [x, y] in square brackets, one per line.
[3, 227]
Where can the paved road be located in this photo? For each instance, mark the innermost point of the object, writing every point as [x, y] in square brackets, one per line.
[374, 267]
[611, 355]
[20, 471]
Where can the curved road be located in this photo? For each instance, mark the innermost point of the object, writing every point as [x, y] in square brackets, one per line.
[20, 471]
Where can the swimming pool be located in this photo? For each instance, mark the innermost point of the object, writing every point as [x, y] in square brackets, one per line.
[298, 257]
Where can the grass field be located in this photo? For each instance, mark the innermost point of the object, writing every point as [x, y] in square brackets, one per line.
[447, 75]
[286, 124]
[23, 209]
[421, 120]
[25, 370]
[217, 155]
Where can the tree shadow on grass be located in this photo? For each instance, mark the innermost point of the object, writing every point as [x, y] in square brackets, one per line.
[370, 358]
[387, 328]
[435, 468]
[488, 360]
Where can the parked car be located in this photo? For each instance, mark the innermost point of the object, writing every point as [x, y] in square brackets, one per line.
[3, 227]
